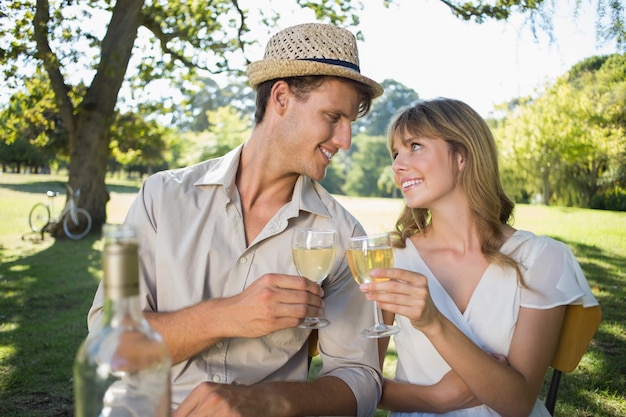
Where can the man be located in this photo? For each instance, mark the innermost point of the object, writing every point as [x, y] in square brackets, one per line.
[218, 280]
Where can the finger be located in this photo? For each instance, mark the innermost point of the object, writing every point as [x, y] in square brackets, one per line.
[191, 402]
[404, 299]
[397, 274]
[290, 297]
[294, 282]
[309, 306]
[405, 286]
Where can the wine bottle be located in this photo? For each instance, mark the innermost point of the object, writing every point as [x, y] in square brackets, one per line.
[122, 369]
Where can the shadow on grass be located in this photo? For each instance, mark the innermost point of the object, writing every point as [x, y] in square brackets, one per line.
[602, 369]
[41, 187]
[44, 299]
[37, 187]
[123, 189]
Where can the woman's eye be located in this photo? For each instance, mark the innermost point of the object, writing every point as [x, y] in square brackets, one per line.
[415, 146]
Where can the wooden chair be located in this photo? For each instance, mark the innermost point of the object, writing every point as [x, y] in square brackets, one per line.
[312, 346]
[579, 326]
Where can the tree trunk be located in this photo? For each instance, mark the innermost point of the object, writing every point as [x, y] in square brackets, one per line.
[547, 191]
[90, 125]
[88, 162]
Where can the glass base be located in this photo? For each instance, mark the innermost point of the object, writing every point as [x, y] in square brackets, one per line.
[380, 330]
[314, 323]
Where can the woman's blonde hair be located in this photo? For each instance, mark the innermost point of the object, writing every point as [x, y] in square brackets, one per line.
[467, 134]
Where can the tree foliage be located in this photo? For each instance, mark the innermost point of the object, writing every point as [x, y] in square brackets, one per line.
[395, 97]
[228, 131]
[32, 131]
[369, 159]
[138, 145]
[569, 144]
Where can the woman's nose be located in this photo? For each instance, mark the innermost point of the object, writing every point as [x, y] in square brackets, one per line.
[398, 163]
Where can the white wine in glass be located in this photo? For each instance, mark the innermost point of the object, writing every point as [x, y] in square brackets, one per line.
[314, 252]
[364, 254]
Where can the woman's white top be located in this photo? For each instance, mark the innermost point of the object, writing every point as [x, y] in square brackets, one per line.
[552, 275]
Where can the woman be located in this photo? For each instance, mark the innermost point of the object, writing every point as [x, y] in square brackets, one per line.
[480, 304]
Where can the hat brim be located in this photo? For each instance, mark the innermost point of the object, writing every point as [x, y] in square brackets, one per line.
[271, 69]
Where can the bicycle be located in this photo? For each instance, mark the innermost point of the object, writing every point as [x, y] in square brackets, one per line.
[76, 221]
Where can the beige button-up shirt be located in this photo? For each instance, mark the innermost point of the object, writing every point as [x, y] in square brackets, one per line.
[193, 247]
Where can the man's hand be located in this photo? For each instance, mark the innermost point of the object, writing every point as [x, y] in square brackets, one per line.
[326, 395]
[273, 302]
[209, 399]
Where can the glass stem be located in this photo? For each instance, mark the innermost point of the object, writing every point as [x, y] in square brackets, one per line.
[376, 318]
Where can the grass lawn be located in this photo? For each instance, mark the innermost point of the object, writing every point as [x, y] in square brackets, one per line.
[46, 288]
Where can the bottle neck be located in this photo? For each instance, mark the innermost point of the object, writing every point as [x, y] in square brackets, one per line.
[120, 264]
[122, 310]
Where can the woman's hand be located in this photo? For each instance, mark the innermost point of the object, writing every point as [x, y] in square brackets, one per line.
[402, 292]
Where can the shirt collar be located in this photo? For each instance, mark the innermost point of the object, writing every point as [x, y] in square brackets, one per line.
[223, 171]
[309, 197]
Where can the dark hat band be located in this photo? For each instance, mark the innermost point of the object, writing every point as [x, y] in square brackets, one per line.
[337, 62]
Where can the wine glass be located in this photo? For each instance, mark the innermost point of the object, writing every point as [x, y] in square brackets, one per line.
[313, 252]
[365, 253]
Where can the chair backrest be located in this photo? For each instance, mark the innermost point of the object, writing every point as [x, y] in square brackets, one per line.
[312, 346]
[313, 343]
[579, 326]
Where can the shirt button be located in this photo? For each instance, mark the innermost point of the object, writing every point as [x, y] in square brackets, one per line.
[243, 260]
[216, 378]
[219, 344]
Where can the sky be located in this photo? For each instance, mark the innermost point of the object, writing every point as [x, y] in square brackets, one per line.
[420, 44]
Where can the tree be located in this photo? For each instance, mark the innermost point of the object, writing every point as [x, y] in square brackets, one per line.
[32, 129]
[209, 96]
[572, 138]
[138, 145]
[336, 173]
[229, 131]
[370, 158]
[395, 97]
[68, 39]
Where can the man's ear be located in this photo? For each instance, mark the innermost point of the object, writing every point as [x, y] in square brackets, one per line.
[280, 95]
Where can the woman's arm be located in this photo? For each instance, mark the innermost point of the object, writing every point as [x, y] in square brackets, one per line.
[512, 389]
[449, 394]
[508, 389]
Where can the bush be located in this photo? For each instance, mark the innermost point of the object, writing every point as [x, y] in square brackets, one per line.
[614, 199]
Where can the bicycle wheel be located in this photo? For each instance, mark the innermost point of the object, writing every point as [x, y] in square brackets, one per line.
[39, 217]
[78, 224]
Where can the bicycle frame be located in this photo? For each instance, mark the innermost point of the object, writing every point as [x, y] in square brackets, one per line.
[70, 206]
[76, 221]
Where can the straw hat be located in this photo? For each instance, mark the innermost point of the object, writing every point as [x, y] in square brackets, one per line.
[310, 49]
